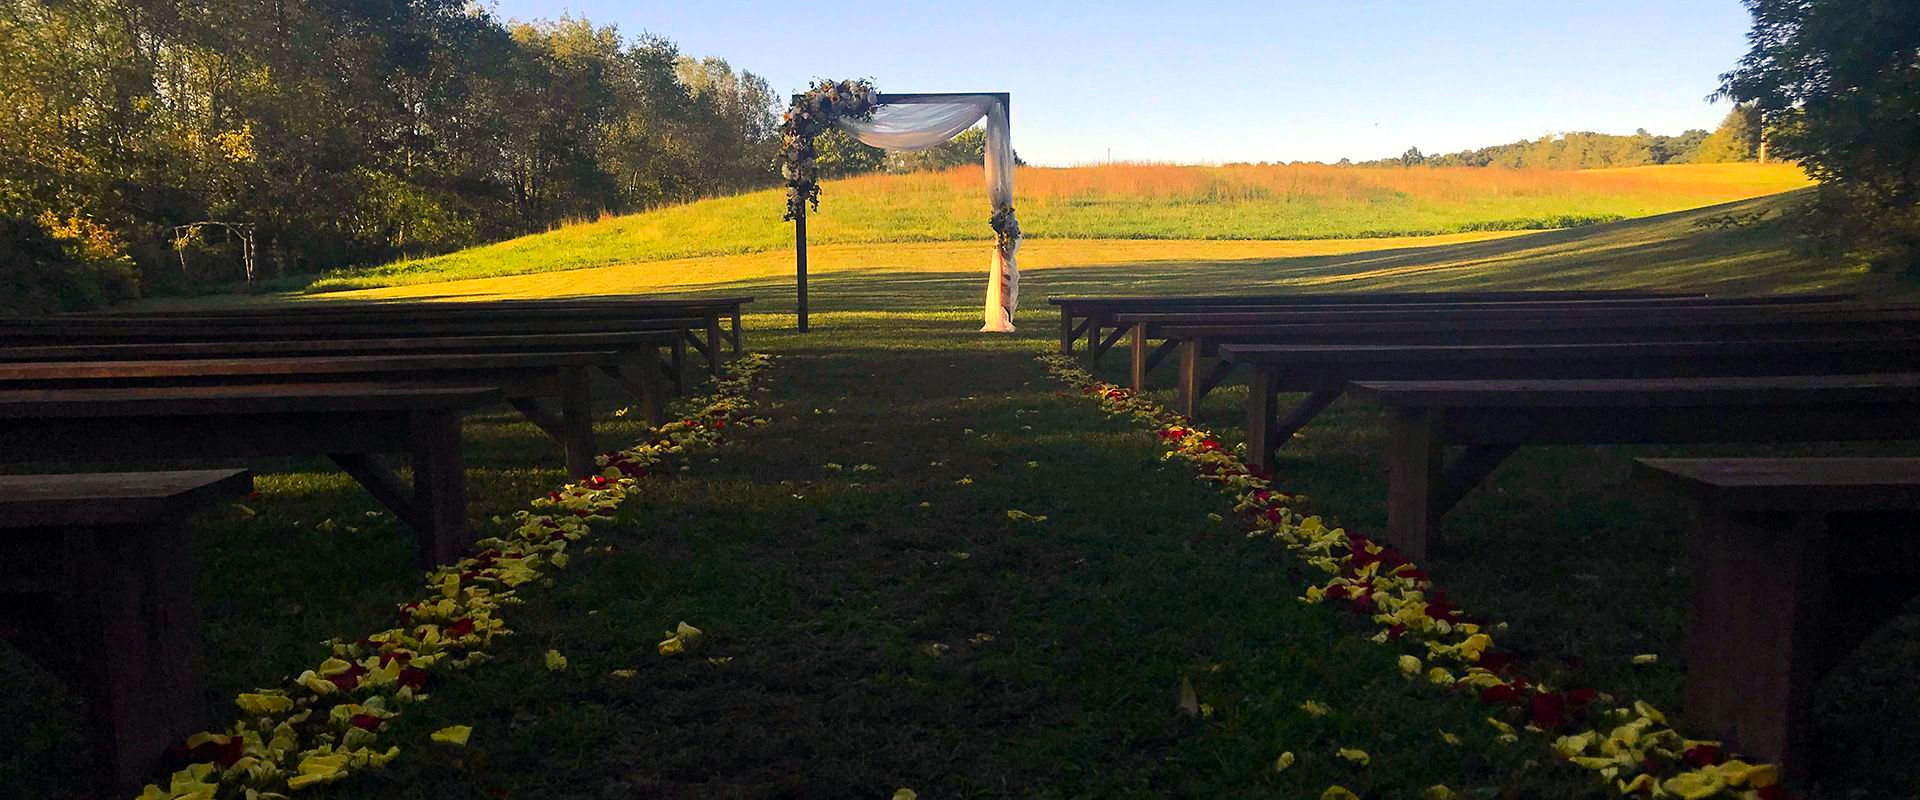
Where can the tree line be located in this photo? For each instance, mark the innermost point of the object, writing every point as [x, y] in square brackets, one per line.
[340, 132]
[1736, 139]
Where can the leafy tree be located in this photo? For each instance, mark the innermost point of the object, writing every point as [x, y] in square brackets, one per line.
[1837, 83]
[1737, 139]
[353, 132]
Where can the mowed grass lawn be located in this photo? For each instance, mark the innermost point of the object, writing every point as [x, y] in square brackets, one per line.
[1127, 202]
[875, 620]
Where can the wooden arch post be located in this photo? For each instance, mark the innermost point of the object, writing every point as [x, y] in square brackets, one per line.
[800, 218]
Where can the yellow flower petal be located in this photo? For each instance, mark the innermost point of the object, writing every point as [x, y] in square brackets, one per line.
[1315, 708]
[624, 673]
[1338, 793]
[1438, 791]
[453, 734]
[1646, 658]
[1356, 756]
[1410, 665]
[906, 794]
[555, 661]
[1283, 762]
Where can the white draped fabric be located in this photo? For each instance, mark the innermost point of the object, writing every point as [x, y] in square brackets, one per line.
[921, 125]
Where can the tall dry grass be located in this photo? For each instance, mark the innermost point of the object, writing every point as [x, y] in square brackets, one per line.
[1322, 182]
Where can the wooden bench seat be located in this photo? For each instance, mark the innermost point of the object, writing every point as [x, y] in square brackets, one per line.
[1796, 562]
[641, 346]
[1323, 371]
[1489, 419]
[350, 423]
[17, 332]
[528, 381]
[1093, 312]
[713, 310]
[101, 596]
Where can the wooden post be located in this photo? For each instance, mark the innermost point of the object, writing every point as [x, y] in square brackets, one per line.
[439, 486]
[576, 420]
[1414, 459]
[1262, 407]
[800, 265]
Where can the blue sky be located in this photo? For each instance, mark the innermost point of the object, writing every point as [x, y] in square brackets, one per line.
[1214, 82]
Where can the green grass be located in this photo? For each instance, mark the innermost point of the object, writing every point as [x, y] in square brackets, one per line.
[1305, 202]
[826, 587]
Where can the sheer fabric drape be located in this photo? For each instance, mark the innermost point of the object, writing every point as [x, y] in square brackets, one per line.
[918, 126]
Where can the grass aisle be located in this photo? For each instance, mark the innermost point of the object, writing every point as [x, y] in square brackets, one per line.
[858, 641]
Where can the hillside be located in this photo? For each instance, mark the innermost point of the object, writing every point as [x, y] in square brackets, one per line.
[1132, 202]
[1678, 250]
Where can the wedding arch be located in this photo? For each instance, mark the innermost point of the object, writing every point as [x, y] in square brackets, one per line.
[916, 121]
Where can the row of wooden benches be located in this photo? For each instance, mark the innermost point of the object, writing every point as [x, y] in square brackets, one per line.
[1482, 374]
[350, 382]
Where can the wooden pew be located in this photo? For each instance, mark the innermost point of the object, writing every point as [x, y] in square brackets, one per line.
[1490, 419]
[728, 306]
[101, 595]
[1095, 311]
[1796, 562]
[1198, 342]
[68, 330]
[526, 379]
[1323, 371]
[640, 346]
[351, 423]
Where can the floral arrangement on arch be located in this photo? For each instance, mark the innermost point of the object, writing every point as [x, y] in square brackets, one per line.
[810, 115]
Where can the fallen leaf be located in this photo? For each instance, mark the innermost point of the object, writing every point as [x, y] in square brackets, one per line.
[455, 735]
[1188, 701]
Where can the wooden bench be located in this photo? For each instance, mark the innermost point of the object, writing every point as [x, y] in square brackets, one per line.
[1196, 343]
[350, 423]
[1323, 371]
[100, 594]
[1796, 562]
[73, 331]
[1490, 419]
[726, 305]
[640, 346]
[527, 380]
[1142, 328]
[1094, 311]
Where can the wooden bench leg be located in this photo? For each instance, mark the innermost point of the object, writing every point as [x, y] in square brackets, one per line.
[1066, 331]
[676, 366]
[1263, 405]
[576, 420]
[1101, 347]
[439, 486]
[1761, 592]
[739, 342]
[1186, 391]
[1138, 350]
[121, 629]
[1414, 453]
[713, 345]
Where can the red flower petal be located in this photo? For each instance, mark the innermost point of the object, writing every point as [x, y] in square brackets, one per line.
[1548, 710]
[413, 677]
[1703, 755]
[1500, 694]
